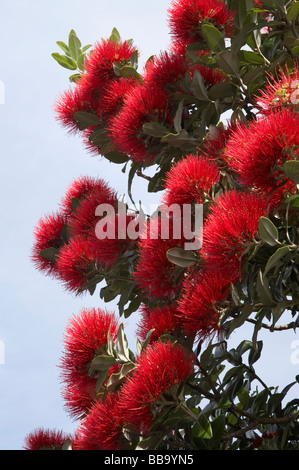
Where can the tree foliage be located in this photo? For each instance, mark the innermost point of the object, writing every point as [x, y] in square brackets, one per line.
[213, 121]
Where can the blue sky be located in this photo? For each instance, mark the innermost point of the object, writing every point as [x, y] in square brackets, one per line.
[38, 162]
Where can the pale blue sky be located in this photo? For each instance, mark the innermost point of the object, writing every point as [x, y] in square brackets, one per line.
[38, 162]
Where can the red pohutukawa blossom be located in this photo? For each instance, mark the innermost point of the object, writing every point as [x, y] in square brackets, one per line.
[102, 429]
[198, 308]
[162, 320]
[257, 152]
[69, 103]
[99, 64]
[48, 234]
[155, 275]
[82, 187]
[213, 147]
[189, 179]
[77, 264]
[45, 439]
[229, 228]
[185, 18]
[142, 105]
[86, 336]
[166, 70]
[280, 92]
[161, 367]
[114, 95]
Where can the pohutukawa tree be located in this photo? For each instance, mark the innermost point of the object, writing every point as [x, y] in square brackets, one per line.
[212, 122]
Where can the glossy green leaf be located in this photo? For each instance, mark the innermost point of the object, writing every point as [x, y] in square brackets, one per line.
[293, 12]
[213, 37]
[154, 129]
[102, 362]
[267, 231]
[64, 61]
[275, 260]
[180, 257]
[228, 61]
[85, 119]
[291, 170]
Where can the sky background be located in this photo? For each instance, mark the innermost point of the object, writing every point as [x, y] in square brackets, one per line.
[38, 162]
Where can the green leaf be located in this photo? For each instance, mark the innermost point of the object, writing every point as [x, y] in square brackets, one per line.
[293, 12]
[181, 257]
[122, 344]
[115, 36]
[267, 231]
[198, 88]
[74, 45]
[67, 445]
[228, 61]
[64, 47]
[202, 428]
[291, 170]
[262, 288]
[118, 378]
[64, 61]
[75, 77]
[213, 37]
[85, 119]
[222, 90]
[102, 362]
[50, 253]
[116, 157]
[275, 259]
[154, 129]
[181, 140]
[250, 57]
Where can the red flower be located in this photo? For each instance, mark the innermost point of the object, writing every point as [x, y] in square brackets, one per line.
[69, 103]
[86, 336]
[166, 70]
[155, 275]
[83, 187]
[161, 367]
[45, 439]
[102, 429]
[280, 92]
[189, 180]
[213, 147]
[185, 18]
[99, 64]
[162, 320]
[231, 225]
[198, 308]
[257, 152]
[77, 264]
[48, 234]
[114, 95]
[143, 105]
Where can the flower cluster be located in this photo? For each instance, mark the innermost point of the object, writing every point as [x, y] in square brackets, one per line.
[66, 244]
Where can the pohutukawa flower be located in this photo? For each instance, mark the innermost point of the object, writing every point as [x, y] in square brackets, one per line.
[145, 104]
[48, 234]
[69, 103]
[166, 70]
[189, 179]
[99, 64]
[257, 152]
[162, 320]
[229, 228]
[185, 18]
[213, 147]
[280, 92]
[45, 439]
[77, 264]
[86, 336]
[102, 429]
[82, 187]
[199, 305]
[114, 95]
[160, 368]
[211, 75]
[155, 275]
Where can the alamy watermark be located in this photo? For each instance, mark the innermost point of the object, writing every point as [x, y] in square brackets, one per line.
[173, 221]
